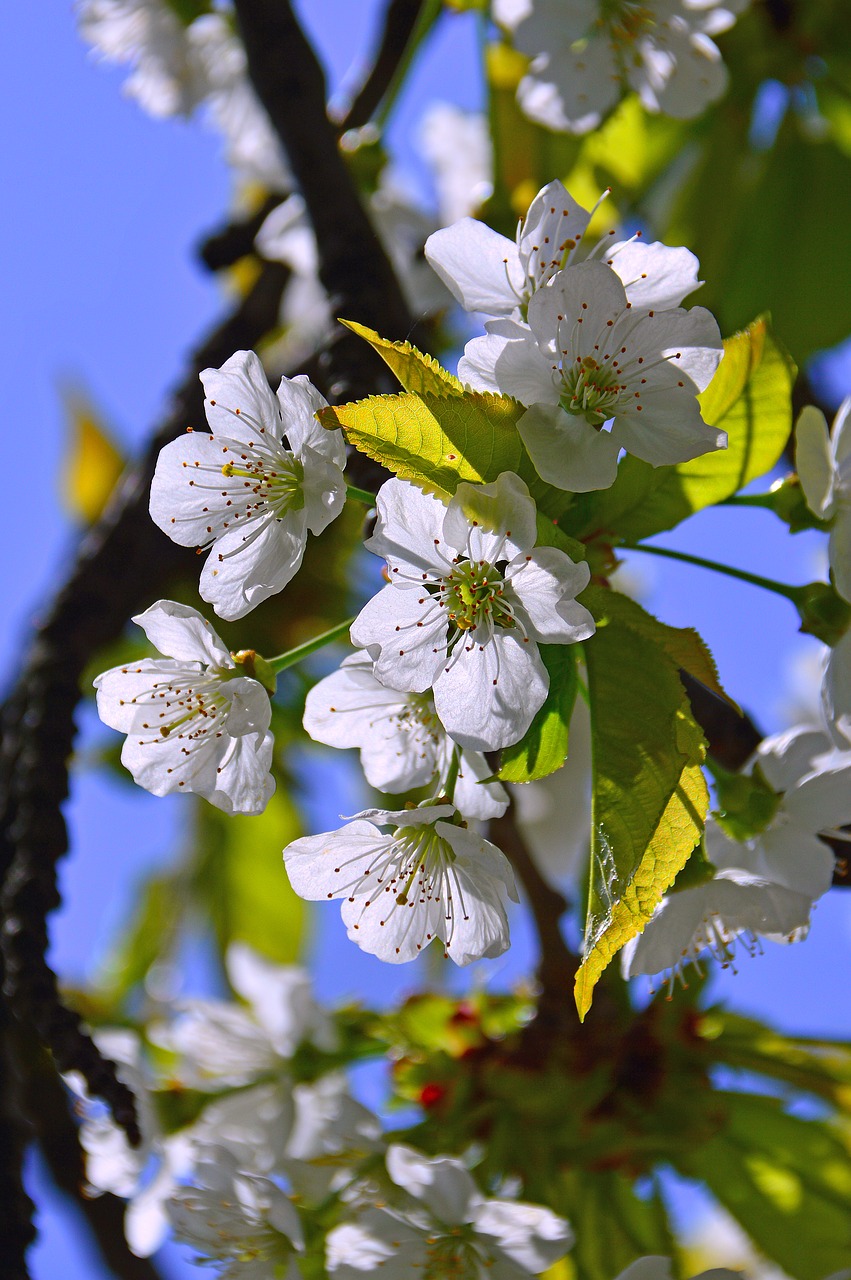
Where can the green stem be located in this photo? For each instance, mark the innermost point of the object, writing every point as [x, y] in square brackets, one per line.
[768, 584]
[360, 495]
[292, 656]
[765, 500]
[452, 775]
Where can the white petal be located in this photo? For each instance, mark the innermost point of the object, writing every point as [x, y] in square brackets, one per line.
[814, 460]
[480, 267]
[405, 635]
[443, 1185]
[250, 710]
[546, 582]
[654, 275]
[300, 401]
[409, 528]
[181, 501]
[669, 428]
[508, 360]
[532, 1236]
[691, 339]
[251, 563]
[785, 758]
[503, 514]
[840, 550]
[790, 855]
[239, 401]
[487, 694]
[474, 797]
[588, 294]
[325, 865]
[836, 691]
[181, 632]
[822, 799]
[566, 451]
[323, 489]
[840, 432]
[280, 995]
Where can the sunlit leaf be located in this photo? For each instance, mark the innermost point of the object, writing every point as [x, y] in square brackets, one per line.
[415, 371]
[613, 1226]
[649, 794]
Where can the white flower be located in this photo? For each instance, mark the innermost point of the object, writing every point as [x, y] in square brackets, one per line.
[253, 486]
[144, 1176]
[221, 1043]
[237, 1217]
[467, 603]
[824, 467]
[458, 148]
[166, 79]
[765, 886]
[487, 272]
[587, 358]
[427, 878]
[402, 743]
[587, 55]
[193, 721]
[446, 1227]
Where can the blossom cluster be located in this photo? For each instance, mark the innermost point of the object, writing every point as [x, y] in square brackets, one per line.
[241, 1182]
[586, 54]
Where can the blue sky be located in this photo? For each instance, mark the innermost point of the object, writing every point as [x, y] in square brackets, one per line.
[101, 209]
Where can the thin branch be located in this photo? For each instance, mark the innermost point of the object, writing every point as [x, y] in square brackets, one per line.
[400, 22]
[353, 267]
[235, 240]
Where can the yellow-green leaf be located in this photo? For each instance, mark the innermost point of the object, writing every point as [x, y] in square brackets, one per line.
[92, 461]
[438, 441]
[649, 794]
[787, 1181]
[415, 370]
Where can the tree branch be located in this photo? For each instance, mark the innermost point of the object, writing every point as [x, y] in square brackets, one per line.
[400, 23]
[353, 266]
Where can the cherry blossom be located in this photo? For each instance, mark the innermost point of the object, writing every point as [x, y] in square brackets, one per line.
[239, 1218]
[489, 273]
[587, 358]
[194, 721]
[218, 1042]
[586, 55]
[426, 878]
[468, 601]
[444, 1227]
[823, 460]
[402, 743]
[457, 147]
[252, 487]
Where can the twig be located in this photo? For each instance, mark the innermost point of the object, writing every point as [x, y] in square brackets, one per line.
[353, 266]
[400, 23]
[235, 239]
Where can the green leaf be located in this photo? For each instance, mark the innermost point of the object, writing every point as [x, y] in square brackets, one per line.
[240, 882]
[649, 794]
[821, 1068]
[438, 441]
[750, 399]
[543, 749]
[416, 372]
[787, 1181]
